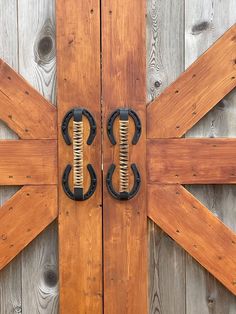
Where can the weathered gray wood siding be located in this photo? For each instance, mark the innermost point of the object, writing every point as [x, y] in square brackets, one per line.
[178, 32]
[29, 285]
[10, 277]
[165, 61]
[205, 21]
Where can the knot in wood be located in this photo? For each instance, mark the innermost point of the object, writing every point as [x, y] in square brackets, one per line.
[50, 278]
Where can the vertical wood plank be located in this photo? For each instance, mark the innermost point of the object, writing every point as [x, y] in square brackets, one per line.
[165, 61]
[37, 45]
[165, 44]
[123, 60]
[9, 36]
[40, 274]
[37, 63]
[10, 276]
[205, 22]
[166, 273]
[80, 223]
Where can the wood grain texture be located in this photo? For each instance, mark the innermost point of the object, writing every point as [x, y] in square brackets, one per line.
[37, 46]
[39, 261]
[167, 273]
[165, 44]
[165, 61]
[37, 63]
[203, 289]
[41, 204]
[10, 276]
[192, 161]
[80, 223]
[15, 96]
[181, 215]
[205, 22]
[28, 162]
[196, 91]
[125, 225]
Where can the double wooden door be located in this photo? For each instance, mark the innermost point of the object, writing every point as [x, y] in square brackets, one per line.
[104, 161]
[101, 67]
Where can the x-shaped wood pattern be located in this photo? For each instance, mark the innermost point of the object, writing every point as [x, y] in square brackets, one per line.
[171, 161]
[30, 162]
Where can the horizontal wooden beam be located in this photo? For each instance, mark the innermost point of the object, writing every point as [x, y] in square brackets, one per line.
[28, 162]
[196, 91]
[23, 217]
[196, 229]
[192, 161]
[23, 109]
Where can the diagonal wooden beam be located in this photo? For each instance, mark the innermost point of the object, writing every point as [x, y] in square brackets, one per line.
[31, 162]
[23, 217]
[192, 225]
[23, 109]
[192, 161]
[196, 91]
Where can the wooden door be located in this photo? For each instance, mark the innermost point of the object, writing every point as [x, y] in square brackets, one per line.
[103, 236]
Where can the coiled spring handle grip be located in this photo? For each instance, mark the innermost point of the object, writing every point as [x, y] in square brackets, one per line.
[124, 193]
[78, 141]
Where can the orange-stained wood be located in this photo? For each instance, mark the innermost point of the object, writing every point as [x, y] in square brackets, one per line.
[196, 229]
[28, 162]
[196, 91]
[80, 223]
[192, 161]
[23, 217]
[124, 77]
[23, 109]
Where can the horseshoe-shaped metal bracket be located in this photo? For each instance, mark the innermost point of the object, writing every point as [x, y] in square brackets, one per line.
[77, 114]
[124, 114]
[78, 194]
[137, 123]
[123, 196]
